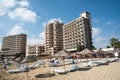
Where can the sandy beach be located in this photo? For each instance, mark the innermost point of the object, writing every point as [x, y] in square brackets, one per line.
[103, 72]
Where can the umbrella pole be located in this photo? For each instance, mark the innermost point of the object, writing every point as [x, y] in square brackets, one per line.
[27, 68]
[64, 63]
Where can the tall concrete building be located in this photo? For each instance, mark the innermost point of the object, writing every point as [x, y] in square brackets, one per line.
[53, 37]
[15, 44]
[78, 32]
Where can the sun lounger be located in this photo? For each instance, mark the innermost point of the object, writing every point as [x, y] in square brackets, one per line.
[21, 69]
[70, 61]
[113, 59]
[54, 64]
[102, 62]
[59, 71]
[36, 64]
[96, 63]
[32, 66]
[78, 61]
[16, 70]
[90, 64]
[73, 68]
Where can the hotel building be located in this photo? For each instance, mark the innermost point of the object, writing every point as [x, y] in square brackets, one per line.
[78, 32]
[15, 44]
[53, 37]
[35, 49]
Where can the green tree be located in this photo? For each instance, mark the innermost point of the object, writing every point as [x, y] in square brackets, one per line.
[107, 46]
[93, 47]
[114, 42]
[80, 48]
[119, 45]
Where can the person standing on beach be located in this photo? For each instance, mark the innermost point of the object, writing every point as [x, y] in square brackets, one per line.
[5, 66]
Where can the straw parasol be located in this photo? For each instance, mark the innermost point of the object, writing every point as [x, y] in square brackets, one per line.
[85, 52]
[62, 54]
[74, 54]
[18, 60]
[29, 59]
[100, 53]
[109, 53]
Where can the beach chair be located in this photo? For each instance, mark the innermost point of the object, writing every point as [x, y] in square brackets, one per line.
[21, 69]
[78, 60]
[102, 62]
[113, 59]
[36, 64]
[54, 64]
[73, 68]
[32, 66]
[59, 71]
[96, 63]
[90, 64]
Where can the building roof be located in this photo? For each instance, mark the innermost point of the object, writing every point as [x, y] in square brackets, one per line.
[62, 53]
[85, 52]
[108, 49]
[71, 50]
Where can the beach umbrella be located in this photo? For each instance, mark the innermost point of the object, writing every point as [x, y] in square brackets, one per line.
[74, 54]
[18, 60]
[85, 52]
[101, 53]
[110, 53]
[62, 54]
[29, 59]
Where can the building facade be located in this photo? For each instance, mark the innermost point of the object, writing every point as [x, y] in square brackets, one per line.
[53, 37]
[35, 50]
[78, 32]
[15, 44]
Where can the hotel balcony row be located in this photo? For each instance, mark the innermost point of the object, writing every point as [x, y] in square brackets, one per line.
[77, 26]
[74, 32]
[74, 46]
[75, 22]
[73, 43]
[73, 37]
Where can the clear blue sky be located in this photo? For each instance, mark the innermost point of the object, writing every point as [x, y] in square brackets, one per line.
[30, 16]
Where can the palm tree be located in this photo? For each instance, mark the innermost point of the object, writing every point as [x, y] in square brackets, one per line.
[80, 48]
[93, 47]
[107, 46]
[119, 45]
[115, 43]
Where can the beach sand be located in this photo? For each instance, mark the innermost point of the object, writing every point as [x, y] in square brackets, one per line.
[103, 72]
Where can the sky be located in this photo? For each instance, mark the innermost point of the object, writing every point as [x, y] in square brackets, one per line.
[31, 16]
